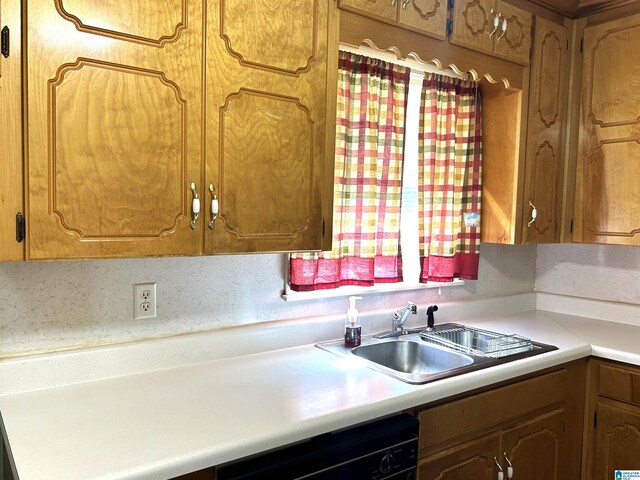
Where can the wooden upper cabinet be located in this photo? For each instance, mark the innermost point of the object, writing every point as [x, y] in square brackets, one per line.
[380, 9]
[11, 180]
[607, 207]
[114, 124]
[269, 78]
[545, 134]
[423, 16]
[426, 16]
[118, 129]
[474, 22]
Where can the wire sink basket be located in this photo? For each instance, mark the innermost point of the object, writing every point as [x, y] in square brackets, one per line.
[475, 341]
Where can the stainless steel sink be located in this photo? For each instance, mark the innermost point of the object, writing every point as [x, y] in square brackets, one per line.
[419, 357]
[412, 357]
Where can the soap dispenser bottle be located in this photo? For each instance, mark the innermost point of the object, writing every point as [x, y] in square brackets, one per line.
[352, 329]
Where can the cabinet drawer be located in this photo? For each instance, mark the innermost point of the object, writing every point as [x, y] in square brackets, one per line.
[619, 383]
[467, 417]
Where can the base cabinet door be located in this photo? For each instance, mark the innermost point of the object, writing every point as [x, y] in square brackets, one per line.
[534, 448]
[617, 436]
[471, 460]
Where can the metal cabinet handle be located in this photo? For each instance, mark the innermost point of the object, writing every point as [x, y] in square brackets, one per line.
[534, 214]
[195, 205]
[405, 3]
[500, 472]
[214, 206]
[509, 468]
[496, 23]
[393, 3]
[504, 29]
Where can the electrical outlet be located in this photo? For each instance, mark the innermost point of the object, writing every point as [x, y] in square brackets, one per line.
[144, 300]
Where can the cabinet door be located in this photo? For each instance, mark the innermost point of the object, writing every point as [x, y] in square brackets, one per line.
[11, 184]
[617, 440]
[534, 448]
[386, 10]
[516, 41]
[426, 16]
[607, 206]
[545, 134]
[472, 24]
[471, 460]
[114, 127]
[267, 88]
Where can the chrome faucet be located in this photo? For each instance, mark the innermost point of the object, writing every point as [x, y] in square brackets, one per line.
[401, 316]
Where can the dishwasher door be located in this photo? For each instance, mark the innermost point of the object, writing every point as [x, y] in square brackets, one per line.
[383, 449]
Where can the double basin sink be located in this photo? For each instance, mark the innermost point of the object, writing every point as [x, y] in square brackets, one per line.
[419, 356]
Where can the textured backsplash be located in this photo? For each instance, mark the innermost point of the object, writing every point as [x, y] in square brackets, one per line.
[47, 306]
[603, 272]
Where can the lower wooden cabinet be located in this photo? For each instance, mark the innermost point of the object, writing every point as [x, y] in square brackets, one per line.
[535, 424]
[613, 420]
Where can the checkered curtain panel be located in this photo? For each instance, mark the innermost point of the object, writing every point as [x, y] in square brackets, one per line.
[372, 96]
[450, 178]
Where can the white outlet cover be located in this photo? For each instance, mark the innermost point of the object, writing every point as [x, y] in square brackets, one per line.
[144, 304]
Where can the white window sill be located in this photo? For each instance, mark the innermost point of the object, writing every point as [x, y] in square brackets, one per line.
[289, 295]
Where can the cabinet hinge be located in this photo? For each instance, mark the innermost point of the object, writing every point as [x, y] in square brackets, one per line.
[323, 224]
[450, 4]
[5, 41]
[581, 44]
[571, 226]
[595, 419]
[449, 27]
[20, 227]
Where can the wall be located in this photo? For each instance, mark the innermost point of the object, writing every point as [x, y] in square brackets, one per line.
[68, 304]
[603, 272]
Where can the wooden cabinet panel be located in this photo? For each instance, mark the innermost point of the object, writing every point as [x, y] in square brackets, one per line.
[473, 27]
[516, 42]
[619, 383]
[380, 9]
[607, 208]
[617, 440]
[473, 22]
[545, 133]
[11, 184]
[425, 16]
[266, 124]
[534, 448]
[114, 128]
[471, 460]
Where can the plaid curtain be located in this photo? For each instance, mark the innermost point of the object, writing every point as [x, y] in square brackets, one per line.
[450, 178]
[372, 96]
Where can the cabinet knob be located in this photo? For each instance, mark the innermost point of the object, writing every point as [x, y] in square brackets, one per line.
[214, 206]
[195, 205]
[534, 214]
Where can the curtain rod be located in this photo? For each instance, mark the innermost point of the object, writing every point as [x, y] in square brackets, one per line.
[390, 57]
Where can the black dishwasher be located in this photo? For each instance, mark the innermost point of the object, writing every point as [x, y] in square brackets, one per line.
[383, 449]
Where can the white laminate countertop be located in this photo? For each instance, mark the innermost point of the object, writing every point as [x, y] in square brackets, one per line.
[168, 422]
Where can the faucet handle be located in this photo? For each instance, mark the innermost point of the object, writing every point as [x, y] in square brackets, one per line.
[412, 307]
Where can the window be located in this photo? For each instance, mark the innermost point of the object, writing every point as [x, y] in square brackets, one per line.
[439, 131]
